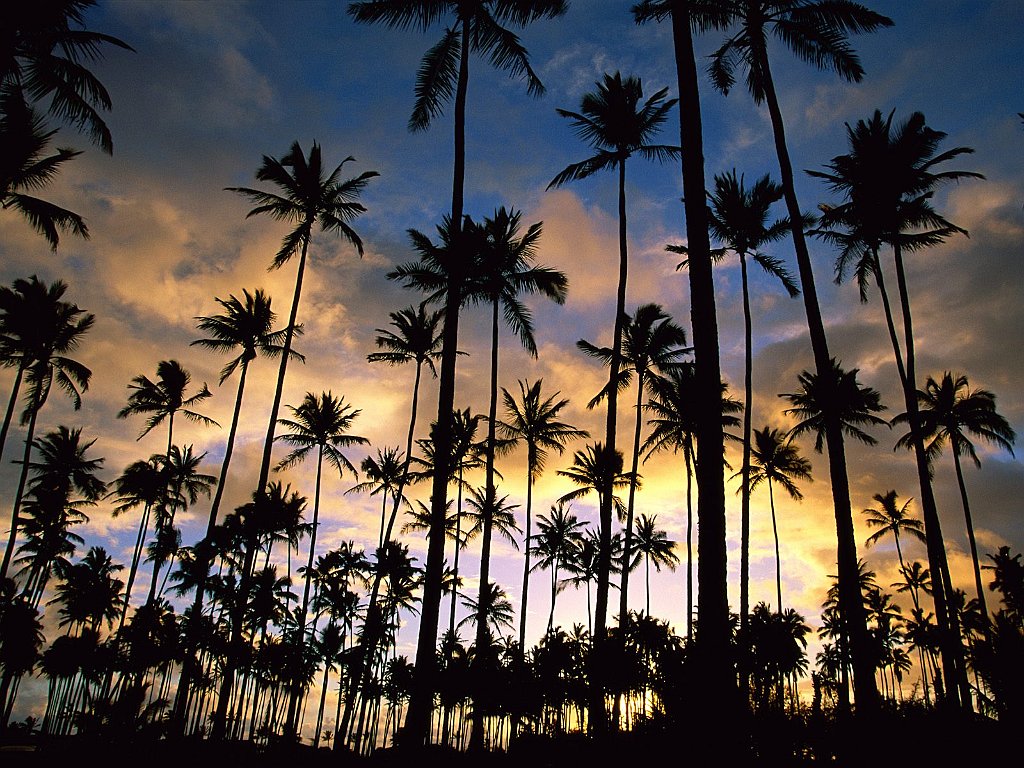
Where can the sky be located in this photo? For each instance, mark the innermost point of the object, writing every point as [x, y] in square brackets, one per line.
[212, 87]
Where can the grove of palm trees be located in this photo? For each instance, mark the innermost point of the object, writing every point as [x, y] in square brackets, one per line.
[486, 381]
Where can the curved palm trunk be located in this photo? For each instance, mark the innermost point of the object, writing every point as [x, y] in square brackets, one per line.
[417, 719]
[476, 735]
[970, 534]
[140, 540]
[778, 558]
[22, 478]
[9, 415]
[628, 535]
[714, 634]
[530, 468]
[748, 395]
[851, 606]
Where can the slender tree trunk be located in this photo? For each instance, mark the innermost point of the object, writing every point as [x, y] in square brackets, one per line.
[748, 396]
[778, 558]
[627, 538]
[687, 457]
[714, 633]
[970, 534]
[9, 414]
[851, 606]
[16, 507]
[530, 452]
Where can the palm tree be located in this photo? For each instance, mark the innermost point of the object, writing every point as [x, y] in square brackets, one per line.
[26, 167]
[617, 125]
[533, 420]
[817, 31]
[950, 412]
[165, 397]
[307, 196]
[43, 57]
[384, 475]
[444, 72]
[824, 402]
[739, 220]
[716, 631]
[776, 460]
[57, 330]
[888, 179]
[418, 340]
[651, 343]
[559, 535]
[891, 518]
[656, 548]
[89, 591]
[597, 469]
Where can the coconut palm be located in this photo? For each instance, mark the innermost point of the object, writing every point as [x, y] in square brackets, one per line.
[559, 535]
[533, 420]
[890, 518]
[88, 593]
[656, 548]
[739, 220]
[48, 543]
[418, 340]
[651, 343]
[385, 475]
[774, 459]
[950, 413]
[599, 470]
[26, 166]
[887, 180]
[56, 331]
[444, 73]
[617, 124]
[306, 195]
[817, 31]
[163, 398]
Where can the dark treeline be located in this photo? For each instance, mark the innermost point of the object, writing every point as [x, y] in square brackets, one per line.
[254, 634]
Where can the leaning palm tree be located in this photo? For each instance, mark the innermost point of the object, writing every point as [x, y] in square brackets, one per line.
[320, 425]
[444, 73]
[656, 548]
[817, 31]
[824, 402]
[739, 220]
[533, 420]
[58, 327]
[617, 124]
[308, 195]
[163, 398]
[887, 180]
[776, 460]
[950, 412]
[559, 535]
[651, 343]
[385, 475]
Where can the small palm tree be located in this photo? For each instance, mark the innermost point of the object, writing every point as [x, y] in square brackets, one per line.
[88, 594]
[656, 548]
[950, 412]
[774, 459]
[558, 537]
[385, 475]
[891, 518]
[533, 419]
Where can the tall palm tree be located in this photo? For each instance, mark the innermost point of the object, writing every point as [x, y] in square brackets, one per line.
[651, 343]
[417, 340]
[599, 470]
[776, 460]
[444, 72]
[739, 220]
[617, 124]
[715, 635]
[888, 179]
[817, 31]
[533, 420]
[57, 330]
[890, 518]
[163, 398]
[89, 591]
[950, 412]
[385, 475]
[558, 536]
[825, 402]
[320, 424]
[656, 548]
[27, 166]
[307, 195]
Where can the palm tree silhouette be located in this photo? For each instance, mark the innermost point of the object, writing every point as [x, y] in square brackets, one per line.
[617, 125]
[739, 220]
[558, 537]
[890, 518]
[56, 331]
[950, 411]
[444, 72]
[656, 548]
[163, 398]
[532, 419]
[776, 460]
[651, 343]
[817, 32]
[888, 179]
[88, 594]
[385, 475]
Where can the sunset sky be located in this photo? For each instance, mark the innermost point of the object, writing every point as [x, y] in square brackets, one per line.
[214, 86]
